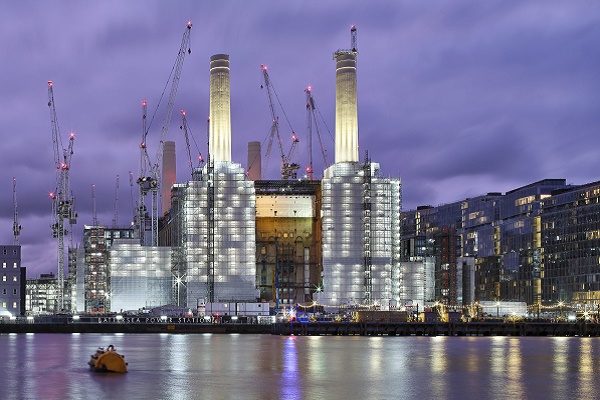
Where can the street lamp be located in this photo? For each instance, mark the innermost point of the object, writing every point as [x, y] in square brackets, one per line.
[560, 306]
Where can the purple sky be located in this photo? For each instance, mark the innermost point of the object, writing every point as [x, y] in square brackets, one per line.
[457, 98]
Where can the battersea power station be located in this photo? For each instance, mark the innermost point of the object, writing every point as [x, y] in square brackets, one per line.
[226, 235]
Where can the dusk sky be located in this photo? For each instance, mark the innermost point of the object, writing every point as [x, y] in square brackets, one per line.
[456, 98]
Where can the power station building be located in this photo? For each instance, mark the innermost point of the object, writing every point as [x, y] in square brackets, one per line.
[231, 237]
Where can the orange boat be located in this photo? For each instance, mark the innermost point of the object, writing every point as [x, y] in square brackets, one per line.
[108, 360]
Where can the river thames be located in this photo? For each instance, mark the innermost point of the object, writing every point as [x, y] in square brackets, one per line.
[219, 366]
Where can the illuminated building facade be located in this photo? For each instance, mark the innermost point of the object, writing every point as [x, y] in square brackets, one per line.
[140, 276]
[42, 295]
[535, 244]
[570, 262]
[97, 242]
[288, 232]
[12, 282]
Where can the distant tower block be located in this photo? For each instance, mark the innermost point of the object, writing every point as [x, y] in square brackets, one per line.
[220, 109]
[346, 111]
[254, 165]
[169, 176]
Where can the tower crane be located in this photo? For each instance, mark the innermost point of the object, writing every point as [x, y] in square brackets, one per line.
[16, 225]
[353, 44]
[150, 173]
[184, 126]
[144, 184]
[133, 202]
[115, 220]
[94, 209]
[312, 120]
[288, 168]
[62, 199]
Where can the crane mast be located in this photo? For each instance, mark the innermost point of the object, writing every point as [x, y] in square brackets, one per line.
[16, 225]
[184, 126]
[115, 221]
[150, 181]
[313, 121]
[143, 180]
[62, 199]
[133, 203]
[310, 172]
[288, 168]
[94, 210]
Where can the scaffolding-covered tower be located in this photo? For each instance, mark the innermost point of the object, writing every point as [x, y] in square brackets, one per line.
[219, 265]
[214, 249]
[361, 237]
[360, 210]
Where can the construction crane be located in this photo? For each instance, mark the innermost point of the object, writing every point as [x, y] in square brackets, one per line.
[133, 202]
[149, 179]
[353, 44]
[184, 126]
[115, 221]
[312, 120]
[62, 199]
[94, 210]
[16, 226]
[288, 168]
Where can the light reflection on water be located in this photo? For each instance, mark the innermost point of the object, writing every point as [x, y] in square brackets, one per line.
[167, 366]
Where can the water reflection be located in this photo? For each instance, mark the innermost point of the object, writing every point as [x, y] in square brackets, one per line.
[438, 367]
[290, 379]
[275, 367]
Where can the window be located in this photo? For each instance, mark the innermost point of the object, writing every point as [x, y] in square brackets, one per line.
[4, 304]
[3, 291]
[14, 265]
[14, 278]
[3, 264]
[4, 278]
[14, 291]
[14, 304]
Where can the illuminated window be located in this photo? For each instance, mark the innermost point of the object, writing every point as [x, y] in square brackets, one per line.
[14, 265]
[4, 264]
[4, 304]
[14, 304]
[4, 278]
[14, 278]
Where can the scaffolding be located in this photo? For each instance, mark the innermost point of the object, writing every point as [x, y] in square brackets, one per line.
[361, 240]
[140, 275]
[217, 259]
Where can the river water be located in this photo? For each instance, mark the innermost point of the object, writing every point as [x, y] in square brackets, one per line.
[221, 366]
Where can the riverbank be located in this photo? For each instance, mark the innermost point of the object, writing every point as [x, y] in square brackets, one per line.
[580, 328]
